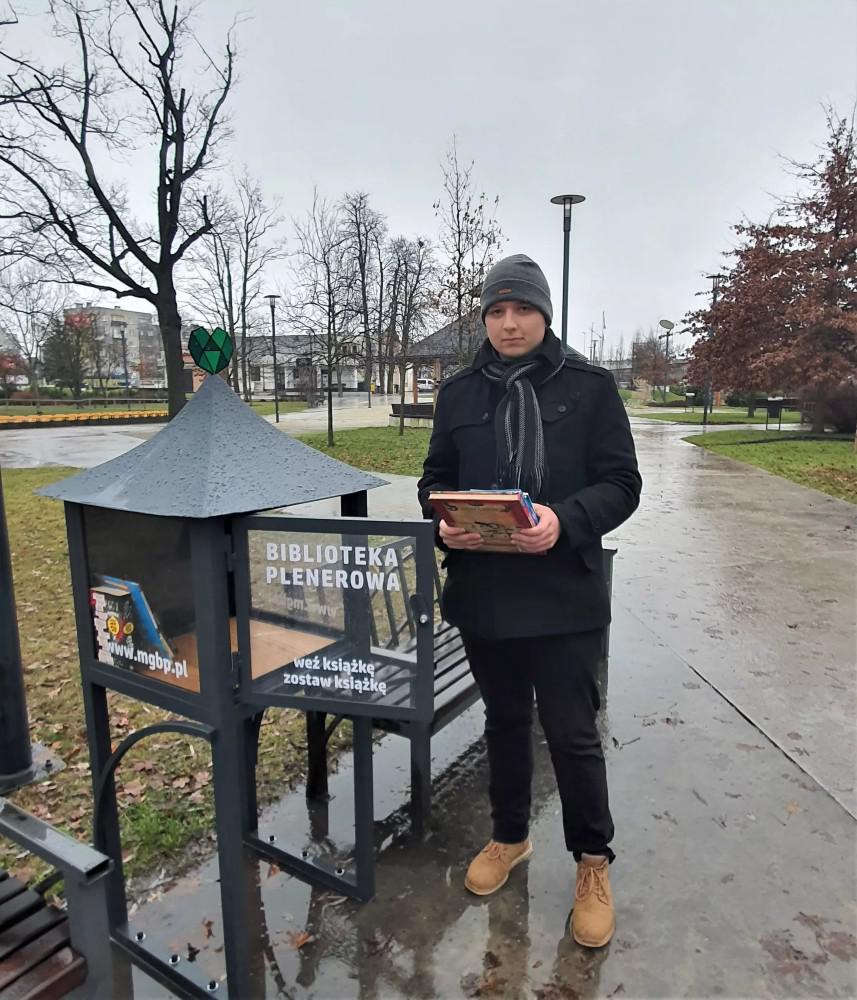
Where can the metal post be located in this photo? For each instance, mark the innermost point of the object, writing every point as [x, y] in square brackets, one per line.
[566, 200]
[125, 359]
[272, 300]
[566, 237]
[16, 758]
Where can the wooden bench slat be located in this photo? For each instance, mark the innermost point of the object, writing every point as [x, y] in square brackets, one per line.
[9, 888]
[18, 907]
[51, 979]
[32, 954]
[30, 927]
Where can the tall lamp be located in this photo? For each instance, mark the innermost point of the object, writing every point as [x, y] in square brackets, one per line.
[272, 299]
[566, 200]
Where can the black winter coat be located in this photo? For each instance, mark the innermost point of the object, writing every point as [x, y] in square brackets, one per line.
[593, 487]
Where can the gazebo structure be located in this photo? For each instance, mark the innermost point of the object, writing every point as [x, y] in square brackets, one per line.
[449, 347]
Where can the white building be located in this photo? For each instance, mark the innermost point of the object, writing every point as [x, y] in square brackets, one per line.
[301, 365]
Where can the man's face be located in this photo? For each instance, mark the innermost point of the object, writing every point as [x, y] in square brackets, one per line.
[514, 328]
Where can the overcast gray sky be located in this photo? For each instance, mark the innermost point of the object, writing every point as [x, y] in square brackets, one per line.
[668, 115]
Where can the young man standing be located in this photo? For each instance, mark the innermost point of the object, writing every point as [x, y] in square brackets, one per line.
[523, 415]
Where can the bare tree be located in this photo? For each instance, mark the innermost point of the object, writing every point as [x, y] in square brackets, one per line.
[650, 361]
[325, 300]
[227, 264]
[366, 229]
[411, 295]
[470, 237]
[127, 93]
[30, 304]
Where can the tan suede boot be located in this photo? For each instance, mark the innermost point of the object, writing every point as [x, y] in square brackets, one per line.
[489, 870]
[593, 920]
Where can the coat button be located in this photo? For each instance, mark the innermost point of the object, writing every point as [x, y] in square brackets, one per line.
[562, 407]
[485, 416]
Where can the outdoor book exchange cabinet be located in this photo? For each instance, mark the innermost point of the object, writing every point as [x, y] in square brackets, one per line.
[185, 601]
[189, 599]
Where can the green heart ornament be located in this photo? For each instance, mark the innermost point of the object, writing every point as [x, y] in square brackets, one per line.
[211, 352]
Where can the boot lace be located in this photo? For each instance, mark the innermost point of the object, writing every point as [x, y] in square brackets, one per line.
[591, 880]
[494, 850]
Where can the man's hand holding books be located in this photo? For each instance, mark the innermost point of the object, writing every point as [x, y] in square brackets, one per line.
[532, 541]
[540, 538]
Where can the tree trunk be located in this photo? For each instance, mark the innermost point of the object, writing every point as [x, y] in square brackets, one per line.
[819, 412]
[330, 441]
[751, 407]
[402, 371]
[171, 336]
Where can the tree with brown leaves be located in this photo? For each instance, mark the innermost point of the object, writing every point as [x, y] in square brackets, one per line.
[786, 315]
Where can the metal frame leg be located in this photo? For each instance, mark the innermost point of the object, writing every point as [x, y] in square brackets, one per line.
[316, 782]
[420, 739]
[229, 758]
[364, 808]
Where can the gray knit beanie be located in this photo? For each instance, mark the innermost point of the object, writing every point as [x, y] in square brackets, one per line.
[520, 279]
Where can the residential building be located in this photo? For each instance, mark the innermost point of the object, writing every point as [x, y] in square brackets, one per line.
[142, 351]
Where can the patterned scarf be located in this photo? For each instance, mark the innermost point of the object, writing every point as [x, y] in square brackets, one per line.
[518, 422]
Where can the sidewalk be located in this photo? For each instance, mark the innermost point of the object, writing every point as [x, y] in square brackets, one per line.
[735, 873]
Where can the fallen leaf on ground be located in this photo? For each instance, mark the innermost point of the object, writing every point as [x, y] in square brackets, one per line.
[297, 939]
[793, 808]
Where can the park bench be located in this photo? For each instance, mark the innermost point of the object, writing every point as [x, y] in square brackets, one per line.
[46, 952]
[455, 690]
[36, 957]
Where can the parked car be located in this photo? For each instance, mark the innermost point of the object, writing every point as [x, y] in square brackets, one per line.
[425, 385]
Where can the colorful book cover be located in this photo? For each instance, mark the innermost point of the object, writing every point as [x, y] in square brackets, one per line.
[128, 635]
[494, 514]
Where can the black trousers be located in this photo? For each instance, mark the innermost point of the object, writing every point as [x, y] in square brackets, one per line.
[561, 671]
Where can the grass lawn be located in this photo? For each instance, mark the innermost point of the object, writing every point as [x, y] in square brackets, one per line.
[721, 416]
[829, 465]
[265, 407]
[377, 449]
[164, 783]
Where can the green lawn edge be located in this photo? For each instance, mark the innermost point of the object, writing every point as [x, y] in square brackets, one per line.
[827, 464]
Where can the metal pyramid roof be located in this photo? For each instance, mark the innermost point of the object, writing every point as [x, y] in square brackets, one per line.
[216, 457]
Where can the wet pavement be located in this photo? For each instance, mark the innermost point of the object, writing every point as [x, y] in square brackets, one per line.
[730, 738]
[735, 874]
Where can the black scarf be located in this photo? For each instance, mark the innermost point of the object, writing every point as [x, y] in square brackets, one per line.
[518, 419]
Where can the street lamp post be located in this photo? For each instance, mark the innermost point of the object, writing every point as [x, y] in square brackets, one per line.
[119, 334]
[715, 280]
[566, 200]
[666, 325]
[272, 300]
